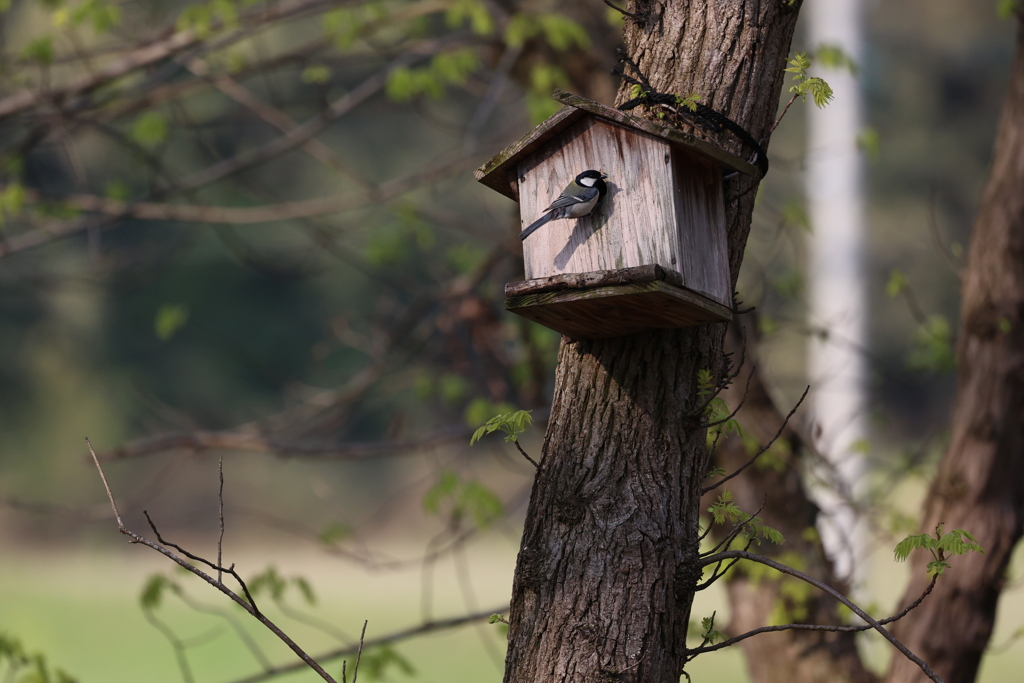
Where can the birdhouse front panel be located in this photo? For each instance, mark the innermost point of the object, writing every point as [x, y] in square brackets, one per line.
[663, 207]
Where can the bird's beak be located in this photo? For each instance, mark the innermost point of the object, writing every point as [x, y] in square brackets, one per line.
[603, 175]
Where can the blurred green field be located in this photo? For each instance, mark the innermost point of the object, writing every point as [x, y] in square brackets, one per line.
[82, 610]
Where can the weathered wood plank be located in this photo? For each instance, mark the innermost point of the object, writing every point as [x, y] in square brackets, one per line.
[493, 174]
[618, 310]
[662, 207]
[660, 130]
[601, 278]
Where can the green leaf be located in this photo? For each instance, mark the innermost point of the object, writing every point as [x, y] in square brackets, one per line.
[473, 11]
[794, 212]
[562, 33]
[688, 102]
[103, 15]
[334, 533]
[305, 588]
[452, 388]
[117, 190]
[835, 57]
[196, 18]
[941, 546]
[316, 73]
[443, 490]
[896, 284]
[725, 510]
[708, 631]
[933, 346]
[464, 257]
[1006, 9]
[12, 199]
[169, 319]
[376, 662]
[269, 581]
[705, 382]
[869, 142]
[445, 68]
[799, 65]
[481, 503]
[511, 423]
[821, 92]
[544, 78]
[149, 129]
[153, 591]
[39, 50]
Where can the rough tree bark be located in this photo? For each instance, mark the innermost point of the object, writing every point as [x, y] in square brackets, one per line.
[980, 483]
[608, 563]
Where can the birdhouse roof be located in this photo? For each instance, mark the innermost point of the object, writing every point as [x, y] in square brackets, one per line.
[495, 173]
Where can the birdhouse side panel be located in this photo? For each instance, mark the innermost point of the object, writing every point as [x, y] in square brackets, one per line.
[702, 257]
[634, 223]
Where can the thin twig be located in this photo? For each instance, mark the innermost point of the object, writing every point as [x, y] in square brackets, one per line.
[220, 498]
[247, 606]
[782, 113]
[110, 496]
[525, 455]
[637, 17]
[230, 570]
[359, 653]
[763, 450]
[743, 399]
[831, 591]
[427, 627]
[831, 628]
[736, 529]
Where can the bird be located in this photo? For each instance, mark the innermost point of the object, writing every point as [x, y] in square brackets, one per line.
[577, 199]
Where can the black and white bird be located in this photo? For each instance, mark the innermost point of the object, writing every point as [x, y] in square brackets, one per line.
[577, 199]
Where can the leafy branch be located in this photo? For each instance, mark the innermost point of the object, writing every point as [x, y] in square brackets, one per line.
[941, 546]
[511, 424]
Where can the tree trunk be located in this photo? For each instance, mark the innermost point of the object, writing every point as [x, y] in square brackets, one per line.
[980, 482]
[608, 564]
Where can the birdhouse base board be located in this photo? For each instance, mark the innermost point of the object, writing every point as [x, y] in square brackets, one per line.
[611, 310]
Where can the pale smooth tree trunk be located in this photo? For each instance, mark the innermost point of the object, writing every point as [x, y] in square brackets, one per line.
[980, 483]
[608, 563]
[835, 205]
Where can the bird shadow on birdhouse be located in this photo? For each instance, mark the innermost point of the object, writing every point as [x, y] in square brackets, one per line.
[652, 252]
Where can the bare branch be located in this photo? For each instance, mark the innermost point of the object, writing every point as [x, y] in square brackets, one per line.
[220, 499]
[404, 634]
[170, 44]
[110, 495]
[525, 454]
[742, 554]
[258, 443]
[814, 627]
[775, 438]
[247, 606]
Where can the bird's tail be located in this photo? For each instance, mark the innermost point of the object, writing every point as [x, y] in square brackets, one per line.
[536, 224]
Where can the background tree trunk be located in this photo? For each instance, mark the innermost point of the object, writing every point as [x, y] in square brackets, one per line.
[776, 481]
[980, 483]
[608, 562]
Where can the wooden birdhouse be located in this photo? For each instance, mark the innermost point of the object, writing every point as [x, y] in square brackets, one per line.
[651, 255]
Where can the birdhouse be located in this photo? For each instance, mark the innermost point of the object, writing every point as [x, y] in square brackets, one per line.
[651, 255]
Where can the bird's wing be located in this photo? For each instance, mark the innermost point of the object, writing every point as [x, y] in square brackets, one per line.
[565, 200]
